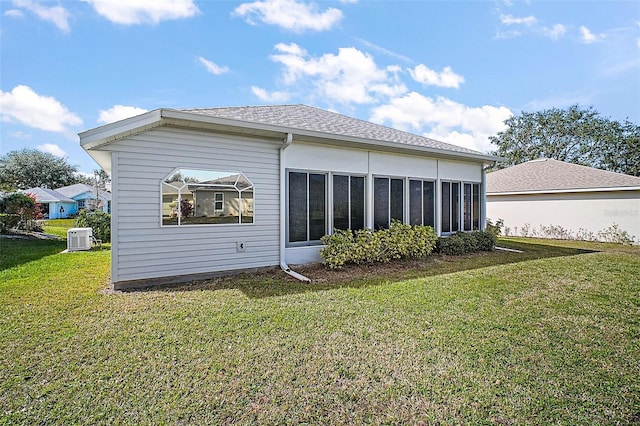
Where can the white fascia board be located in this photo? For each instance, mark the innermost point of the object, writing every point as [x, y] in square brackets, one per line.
[111, 132]
[339, 139]
[564, 191]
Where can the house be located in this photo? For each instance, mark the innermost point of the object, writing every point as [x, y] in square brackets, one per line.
[85, 197]
[260, 186]
[66, 201]
[53, 204]
[551, 198]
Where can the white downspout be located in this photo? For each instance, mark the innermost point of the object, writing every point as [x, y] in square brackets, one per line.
[283, 208]
[483, 185]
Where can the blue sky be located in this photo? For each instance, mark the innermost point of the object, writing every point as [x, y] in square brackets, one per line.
[453, 71]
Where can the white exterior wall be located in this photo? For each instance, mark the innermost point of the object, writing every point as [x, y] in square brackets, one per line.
[143, 249]
[310, 157]
[591, 211]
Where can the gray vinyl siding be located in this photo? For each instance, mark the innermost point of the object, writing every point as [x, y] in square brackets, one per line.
[145, 249]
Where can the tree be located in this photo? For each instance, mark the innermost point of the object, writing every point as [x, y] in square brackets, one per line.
[575, 135]
[29, 168]
[21, 205]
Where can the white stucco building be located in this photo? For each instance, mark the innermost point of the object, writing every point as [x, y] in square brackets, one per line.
[552, 195]
[203, 191]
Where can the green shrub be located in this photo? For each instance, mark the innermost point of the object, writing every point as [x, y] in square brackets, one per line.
[98, 221]
[365, 246]
[486, 240]
[452, 245]
[339, 246]
[466, 242]
[8, 222]
[495, 228]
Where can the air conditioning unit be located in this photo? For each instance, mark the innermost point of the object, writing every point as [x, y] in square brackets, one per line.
[79, 239]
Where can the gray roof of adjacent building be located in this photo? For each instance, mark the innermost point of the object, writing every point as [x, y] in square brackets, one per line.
[46, 195]
[80, 188]
[549, 175]
[308, 118]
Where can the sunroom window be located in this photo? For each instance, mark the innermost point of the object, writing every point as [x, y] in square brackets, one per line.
[450, 213]
[421, 202]
[388, 201]
[348, 202]
[204, 197]
[307, 199]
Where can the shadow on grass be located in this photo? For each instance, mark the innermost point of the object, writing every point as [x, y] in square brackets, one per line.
[276, 283]
[18, 251]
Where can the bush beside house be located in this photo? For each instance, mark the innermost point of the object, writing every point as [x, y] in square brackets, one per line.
[98, 221]
[400, 241]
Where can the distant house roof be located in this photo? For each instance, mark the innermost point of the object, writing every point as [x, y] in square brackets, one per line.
[80, 188]
[46, 195]
[548, 175]
[304, 117]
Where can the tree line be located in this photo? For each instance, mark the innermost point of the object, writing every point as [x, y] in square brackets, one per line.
[30, 168]
[574, 135]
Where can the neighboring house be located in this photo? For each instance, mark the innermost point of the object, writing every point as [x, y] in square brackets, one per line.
[265, 184]
[85, 197]
[550, 198]
[62, 202]
[53, 204]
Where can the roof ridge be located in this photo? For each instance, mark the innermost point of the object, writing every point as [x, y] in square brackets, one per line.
[359, 128]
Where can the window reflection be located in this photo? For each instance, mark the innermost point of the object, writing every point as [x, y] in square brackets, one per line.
[196, 197]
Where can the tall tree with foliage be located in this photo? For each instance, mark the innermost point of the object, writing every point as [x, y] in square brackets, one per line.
[29, 168]
[575, 135]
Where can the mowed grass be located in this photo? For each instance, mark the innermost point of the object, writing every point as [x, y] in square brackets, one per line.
[58, 227]
[549, 336]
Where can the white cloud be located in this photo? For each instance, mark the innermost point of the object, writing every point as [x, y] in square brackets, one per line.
[555, 32]
[638, 42]
[130, 12]
[375, 47]
[14, 13]
[19, 134]
[212, 67]
[510, 20]
[446, 78]
[119, 112]
[52, 149]
[443, 119]
[291, 15]
[349, 76]
[588, 37]
[31, 109]
[57, 15]
[270, 96]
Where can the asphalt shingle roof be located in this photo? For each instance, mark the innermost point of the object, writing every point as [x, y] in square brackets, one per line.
[552, 175]
[79, 188]
[46, 195]
[304, 117]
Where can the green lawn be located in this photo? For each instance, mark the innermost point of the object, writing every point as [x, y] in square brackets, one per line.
[549, 336]
[58, 227]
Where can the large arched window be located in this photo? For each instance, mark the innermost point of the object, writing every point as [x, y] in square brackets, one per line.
[204, 197]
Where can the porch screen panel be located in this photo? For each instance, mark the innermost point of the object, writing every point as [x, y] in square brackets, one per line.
[468, 201]
[455, 206]
[476, 206]
[446, 207]
[380, 203]
[297, 207]
[428, 199]
[415, 202]
[397, 199]
[317, 206]
[357, 202]
[340, 202]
